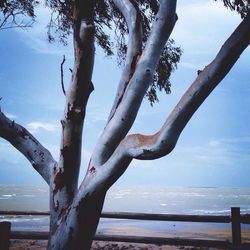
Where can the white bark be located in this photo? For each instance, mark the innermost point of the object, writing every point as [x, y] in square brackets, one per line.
[134, 47]
[39, 157]
[75, 212]
[66, 175]
[133, 20]
[160, 144]
[77, 226]
[88, 202]
[147, 147]
[126, 112]
[64, 179]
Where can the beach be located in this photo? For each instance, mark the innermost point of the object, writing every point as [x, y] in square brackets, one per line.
[157, 200]
[101, 245]
[211, 233]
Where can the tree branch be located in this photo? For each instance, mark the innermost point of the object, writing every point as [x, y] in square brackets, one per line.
[149, 147]
[65, 176]
[62, 84]
[40, 158]
[133, 20]
[14, 23]
[162, 143]
[126, 112]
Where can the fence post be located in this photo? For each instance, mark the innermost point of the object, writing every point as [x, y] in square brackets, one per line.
[5, 235]
[236, 227]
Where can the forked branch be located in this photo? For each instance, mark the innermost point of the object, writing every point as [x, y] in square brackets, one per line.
[144, 147]
[126, 112]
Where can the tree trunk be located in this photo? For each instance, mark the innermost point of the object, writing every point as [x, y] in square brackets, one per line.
[77, 227]
[75, 212]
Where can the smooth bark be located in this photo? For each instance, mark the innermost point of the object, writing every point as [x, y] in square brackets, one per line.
[148, 147]
[134, 50]
[75, 212]
[64, 182]
[126, 112]
[134, 47]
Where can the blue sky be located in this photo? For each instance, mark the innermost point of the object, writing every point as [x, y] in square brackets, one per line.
[214, 148]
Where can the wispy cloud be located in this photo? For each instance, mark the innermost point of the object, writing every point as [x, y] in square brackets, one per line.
[36, 126]
[235, 140]
[219, 152]
[214, 143]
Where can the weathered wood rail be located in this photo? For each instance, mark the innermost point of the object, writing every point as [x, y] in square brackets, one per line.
[236, 219]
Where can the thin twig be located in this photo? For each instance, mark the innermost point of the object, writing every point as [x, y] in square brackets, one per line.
[63, 61]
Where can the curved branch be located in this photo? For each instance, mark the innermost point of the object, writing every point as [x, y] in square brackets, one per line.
[28, 145]
[163, 142]
[126, 112]
[144, 147]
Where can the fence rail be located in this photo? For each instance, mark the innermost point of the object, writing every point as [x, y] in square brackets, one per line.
[236, 219]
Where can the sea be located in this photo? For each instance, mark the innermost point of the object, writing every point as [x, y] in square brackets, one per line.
[141, 199]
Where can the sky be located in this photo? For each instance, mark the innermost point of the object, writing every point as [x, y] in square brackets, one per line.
[213, 149]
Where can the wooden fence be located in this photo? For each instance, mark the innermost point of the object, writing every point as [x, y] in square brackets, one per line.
[236, 219]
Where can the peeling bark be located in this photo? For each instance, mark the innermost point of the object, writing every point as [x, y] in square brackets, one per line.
[77, 226]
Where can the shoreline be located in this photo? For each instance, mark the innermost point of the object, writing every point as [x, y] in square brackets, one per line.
[186, 230]
[182, 230]
[211, 233]
[158, 200]
[103, 245]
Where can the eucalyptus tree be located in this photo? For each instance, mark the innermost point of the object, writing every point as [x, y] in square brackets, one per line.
[148, 56]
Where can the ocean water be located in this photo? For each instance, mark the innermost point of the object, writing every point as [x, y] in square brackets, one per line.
[178, 200]
[170, 200]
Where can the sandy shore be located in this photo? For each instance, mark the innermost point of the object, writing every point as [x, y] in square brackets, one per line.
[209, 233]
[41, 245]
